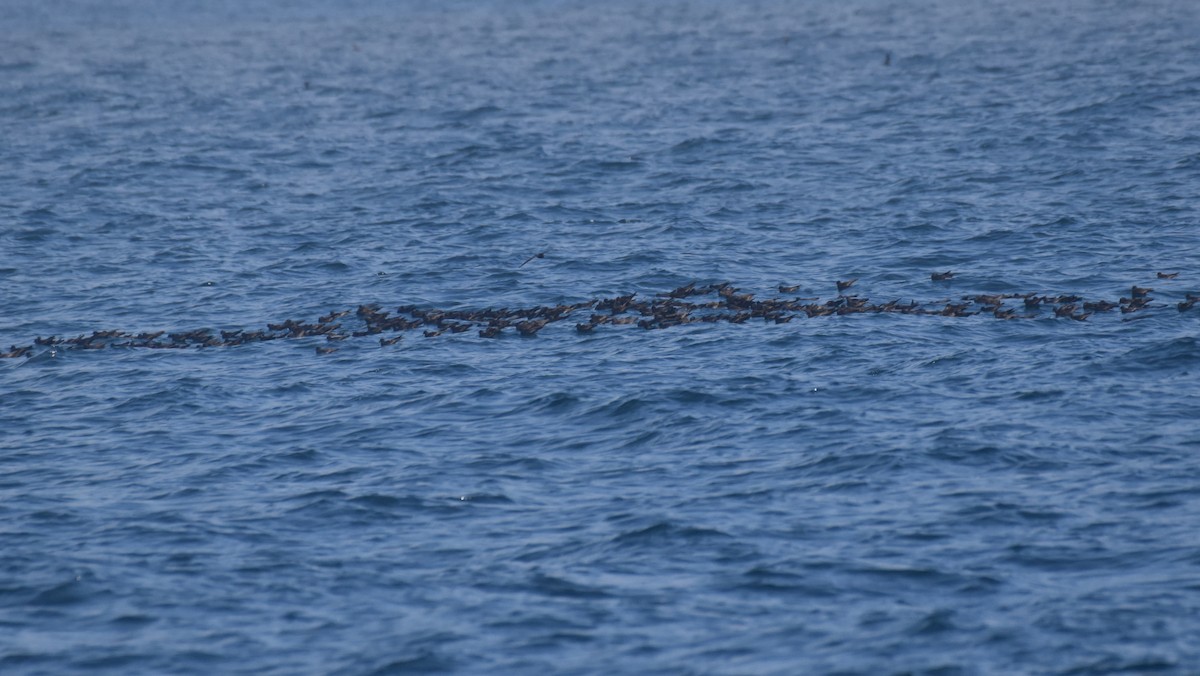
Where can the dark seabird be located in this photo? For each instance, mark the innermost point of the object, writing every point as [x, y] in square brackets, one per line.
[788, 289]
[842, 286]
[1134, 305]
[1168, 275]
[541, 254]
[326, 350]
[1100, 306]
[941, 276]
[1064, 311]
[531, 327]
[332, 316]
[683, 291]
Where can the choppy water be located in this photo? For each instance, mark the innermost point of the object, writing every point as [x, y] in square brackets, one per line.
[860, 494]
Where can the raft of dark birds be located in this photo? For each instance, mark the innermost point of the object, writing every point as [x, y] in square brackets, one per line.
[690, 304]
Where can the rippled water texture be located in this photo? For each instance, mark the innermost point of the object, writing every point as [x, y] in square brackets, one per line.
[865, 494]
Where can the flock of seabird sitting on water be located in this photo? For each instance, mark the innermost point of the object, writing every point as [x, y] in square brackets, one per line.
[688, 304]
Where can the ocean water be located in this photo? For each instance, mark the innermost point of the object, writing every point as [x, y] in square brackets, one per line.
[861, 493]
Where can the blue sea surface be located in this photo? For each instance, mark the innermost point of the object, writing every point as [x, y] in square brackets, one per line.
[872, 493]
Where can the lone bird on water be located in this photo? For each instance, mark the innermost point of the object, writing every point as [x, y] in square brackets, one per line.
[941, 276]
[842, 286]
[1168, 275]
[540, 254]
